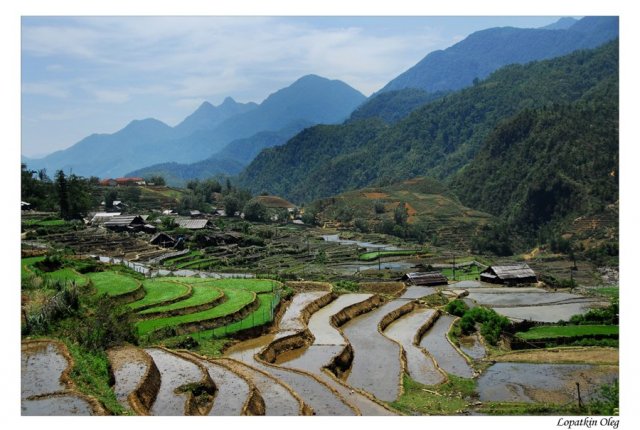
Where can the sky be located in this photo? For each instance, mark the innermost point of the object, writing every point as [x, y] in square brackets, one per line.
[95, 74]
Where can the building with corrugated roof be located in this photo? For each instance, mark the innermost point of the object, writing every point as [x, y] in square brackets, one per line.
[509, 274]
[426, 279]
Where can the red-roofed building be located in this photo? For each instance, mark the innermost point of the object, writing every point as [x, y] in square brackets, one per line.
[130, 181]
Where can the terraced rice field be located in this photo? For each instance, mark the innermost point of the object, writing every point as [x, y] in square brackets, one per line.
[158, 291]
[176, 372]
[420, 366]
[203, 294]
[535, 382]
[112, 283]
[380, 373]
[552, 332]
[67, 276]
[45, 390]
[236, 300]
[436, 343]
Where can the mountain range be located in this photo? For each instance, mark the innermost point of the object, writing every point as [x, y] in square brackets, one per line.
[224, 139]
[309, 100]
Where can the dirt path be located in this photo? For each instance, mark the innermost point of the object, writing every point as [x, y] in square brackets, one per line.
[376, 366]
[175, 372]
[448, 358]
[419, 366]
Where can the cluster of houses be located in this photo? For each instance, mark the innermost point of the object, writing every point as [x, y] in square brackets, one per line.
[511, 275]
[122, 182]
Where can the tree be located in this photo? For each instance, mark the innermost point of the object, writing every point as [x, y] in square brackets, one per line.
[255, 210]
[156, 180]
[231, 205]
[400, 214]
[80, 200]
[109, 197]
[62, 193]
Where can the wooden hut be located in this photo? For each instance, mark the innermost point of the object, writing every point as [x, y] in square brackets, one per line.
[125, 223]
[510, 275]
[425, 279]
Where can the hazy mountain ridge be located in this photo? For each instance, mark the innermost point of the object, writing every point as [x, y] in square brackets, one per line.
[311, 99]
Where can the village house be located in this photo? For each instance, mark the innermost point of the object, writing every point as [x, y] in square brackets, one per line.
[425, 279]
[510, 274]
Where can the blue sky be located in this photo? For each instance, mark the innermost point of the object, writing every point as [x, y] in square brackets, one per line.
[84, 75]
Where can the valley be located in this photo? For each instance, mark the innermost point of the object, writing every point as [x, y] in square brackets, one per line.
[447, 246]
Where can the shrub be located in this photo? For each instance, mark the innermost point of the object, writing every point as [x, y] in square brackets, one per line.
[457, 308]
[350, 286]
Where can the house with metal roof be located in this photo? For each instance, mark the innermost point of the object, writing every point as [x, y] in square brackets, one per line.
[509, 274]
[426, 279]
[192, 223]
[125, 222]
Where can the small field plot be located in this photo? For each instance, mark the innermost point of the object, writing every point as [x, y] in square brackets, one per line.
[112, 283]
[552, 332]
[26, 266]
[160, 291]
[370, 256]
[68, 275]
[236, 300]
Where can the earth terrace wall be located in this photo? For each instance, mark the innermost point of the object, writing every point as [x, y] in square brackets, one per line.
[184, 296]
[66, 380]
[254, 405]
[184, 311]
[384, 323]
[230, 362]
[418, 337]
[342, 363]
[131, 296]
[192, 406]
[142, 397]
[297, 340]
[207, 324]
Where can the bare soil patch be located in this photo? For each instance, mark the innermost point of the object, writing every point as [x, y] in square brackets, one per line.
[592, 355]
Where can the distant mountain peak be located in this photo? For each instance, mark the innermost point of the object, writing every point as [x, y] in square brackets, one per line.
[228, 101]
[561, 24]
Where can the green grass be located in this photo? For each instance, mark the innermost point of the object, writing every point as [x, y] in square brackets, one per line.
[549, 332]
[68, 275]
[251, 284]
[173, 260]
[90, 374]
[26, 266]
[236, 300]
[112, 283]
[159, 291]
[514, 408]
[202, 293]
[369, 256]
[610, 292]
[451, 397]
[198, 263]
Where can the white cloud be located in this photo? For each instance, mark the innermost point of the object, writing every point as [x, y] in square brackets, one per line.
[108, 96]
[55, 90]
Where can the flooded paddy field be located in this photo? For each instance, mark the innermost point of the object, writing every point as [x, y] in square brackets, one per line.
[448, 358]
[555, 383]
[420, 366]
[377, 373]
[176, 372]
